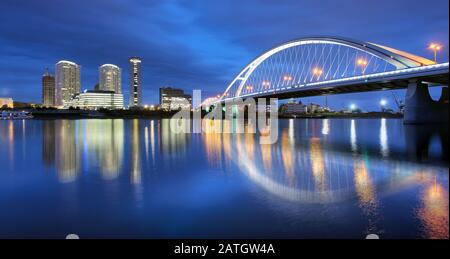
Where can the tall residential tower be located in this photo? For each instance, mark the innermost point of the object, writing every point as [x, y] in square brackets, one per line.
[110, 78]
[135, 82]
[67, 81]
[48, 90]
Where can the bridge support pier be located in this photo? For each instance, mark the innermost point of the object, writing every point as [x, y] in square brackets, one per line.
[421, 109]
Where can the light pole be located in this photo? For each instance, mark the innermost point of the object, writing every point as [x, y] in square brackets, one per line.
[363, 63]
[287, 78]
[265, 84]
[435, 48]
[383, 103]
[317, 72]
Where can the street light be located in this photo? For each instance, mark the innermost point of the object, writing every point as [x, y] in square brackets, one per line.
[383, 103]
[435, 48]
[317, 72]
[363, 63]
[265, 84]
[352, 107]
[287, 78]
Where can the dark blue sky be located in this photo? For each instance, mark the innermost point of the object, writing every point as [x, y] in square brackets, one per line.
[196, 44]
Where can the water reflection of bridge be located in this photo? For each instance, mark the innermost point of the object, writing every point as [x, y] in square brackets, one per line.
[308, 173]
[300, 170]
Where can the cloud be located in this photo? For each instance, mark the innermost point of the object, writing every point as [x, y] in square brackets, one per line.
[191, 44]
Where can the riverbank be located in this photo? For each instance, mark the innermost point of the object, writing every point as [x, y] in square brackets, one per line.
[365, 115]
[132, 114]
[100, 114]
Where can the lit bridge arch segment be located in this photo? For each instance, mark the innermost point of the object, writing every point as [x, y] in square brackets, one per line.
[316, 59]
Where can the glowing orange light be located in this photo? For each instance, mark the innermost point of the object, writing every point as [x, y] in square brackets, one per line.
[287, 78]
[317, 71]
[266, 84]
[361, 62]
[435, 46]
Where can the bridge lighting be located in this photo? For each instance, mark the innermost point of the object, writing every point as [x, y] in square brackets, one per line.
[317, 72]
[265, 84]
[435, 48]
[249, 87]
[363, 63]
[287, 78]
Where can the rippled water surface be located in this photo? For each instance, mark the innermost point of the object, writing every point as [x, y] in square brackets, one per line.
[135, 178]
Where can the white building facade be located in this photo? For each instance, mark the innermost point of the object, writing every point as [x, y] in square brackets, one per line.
[67, 81]
[93, 100]
[110, 78]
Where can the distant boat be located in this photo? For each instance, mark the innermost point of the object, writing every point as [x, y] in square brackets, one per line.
[15, 115]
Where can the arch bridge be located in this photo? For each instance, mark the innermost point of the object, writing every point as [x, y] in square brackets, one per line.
[317, 66]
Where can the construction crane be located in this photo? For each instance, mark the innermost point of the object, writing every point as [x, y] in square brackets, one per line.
[400, 104]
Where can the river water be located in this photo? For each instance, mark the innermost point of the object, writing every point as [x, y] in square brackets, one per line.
[323, 178]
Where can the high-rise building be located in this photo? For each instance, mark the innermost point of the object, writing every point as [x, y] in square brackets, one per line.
[67, 81]
[110, 78]
[135, 82]
[93, 100]
[48, 90]
[174, 99]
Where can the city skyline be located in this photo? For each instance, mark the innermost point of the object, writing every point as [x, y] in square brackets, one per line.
[203, 49]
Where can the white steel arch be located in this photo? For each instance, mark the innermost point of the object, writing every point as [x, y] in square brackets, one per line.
[399, 59]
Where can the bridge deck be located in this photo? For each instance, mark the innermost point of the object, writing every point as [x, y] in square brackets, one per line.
[433, 74]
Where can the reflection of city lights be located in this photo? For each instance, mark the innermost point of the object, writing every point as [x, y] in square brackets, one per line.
[384, 139]
[152, 139]
[213, 146]
[146, 143]
[291, 129]
[353, 136]
[288, 157]
[325, 127]
[266, 155]
[317, 164]
[366, 194]
[433, 211]
[135, 153]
